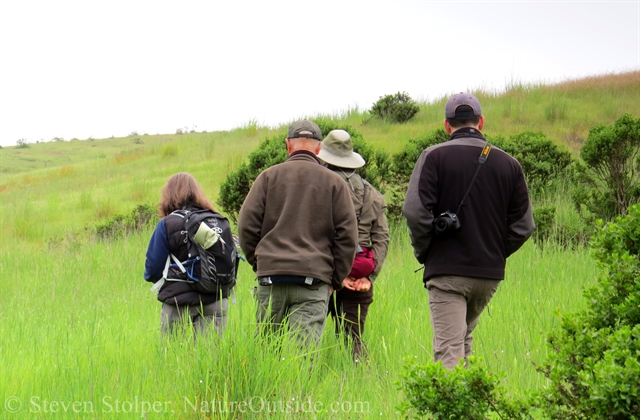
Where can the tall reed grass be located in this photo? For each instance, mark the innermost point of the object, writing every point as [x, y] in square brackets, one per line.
[81, 340]
[80, 329]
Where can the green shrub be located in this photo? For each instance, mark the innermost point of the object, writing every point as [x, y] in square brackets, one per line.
[541, 159]
[594, 363]
[396, 108]
[22, 144]
[542, 162]
[272, 151]
[544, 218]
[464, 393]
[121, 225]
[402, 164]
[610, 181]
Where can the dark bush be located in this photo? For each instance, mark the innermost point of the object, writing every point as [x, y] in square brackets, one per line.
[594, 360]
[542, 160]
[272, 151]
[544, 218]
[396, 108]
[610, 181]
[464, 393]
[121, 225]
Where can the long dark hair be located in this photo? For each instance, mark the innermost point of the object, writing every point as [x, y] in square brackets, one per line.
[181, 189]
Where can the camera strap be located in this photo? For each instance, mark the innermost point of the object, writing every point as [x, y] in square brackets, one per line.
[482, 159]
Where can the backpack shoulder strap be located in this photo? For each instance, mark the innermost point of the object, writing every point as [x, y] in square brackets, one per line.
[181, 213]
[365, 187]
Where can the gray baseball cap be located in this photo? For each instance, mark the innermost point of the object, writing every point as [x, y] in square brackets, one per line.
[304, 129]
[462, 99]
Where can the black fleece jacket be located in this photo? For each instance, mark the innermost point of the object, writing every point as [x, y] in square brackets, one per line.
[496, 217]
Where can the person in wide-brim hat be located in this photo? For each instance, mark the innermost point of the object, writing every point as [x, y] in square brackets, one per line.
[349, 306]
[337, 150]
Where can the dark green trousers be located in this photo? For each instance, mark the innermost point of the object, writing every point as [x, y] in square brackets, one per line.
[302, 307]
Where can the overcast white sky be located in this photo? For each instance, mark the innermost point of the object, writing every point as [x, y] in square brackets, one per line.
[96, 68]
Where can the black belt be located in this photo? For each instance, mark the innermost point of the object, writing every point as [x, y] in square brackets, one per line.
[284, 279]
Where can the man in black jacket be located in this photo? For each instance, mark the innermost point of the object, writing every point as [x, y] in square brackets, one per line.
[467, 209]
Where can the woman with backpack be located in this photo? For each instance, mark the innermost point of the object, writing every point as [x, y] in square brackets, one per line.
[180, 300]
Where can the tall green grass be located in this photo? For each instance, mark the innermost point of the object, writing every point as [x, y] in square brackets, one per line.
[81, 326]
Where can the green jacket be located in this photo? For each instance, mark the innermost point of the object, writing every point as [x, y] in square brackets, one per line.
[369, 205]
[298, 219]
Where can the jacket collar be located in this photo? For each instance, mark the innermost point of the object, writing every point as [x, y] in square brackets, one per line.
[304, 155]
[466, 132]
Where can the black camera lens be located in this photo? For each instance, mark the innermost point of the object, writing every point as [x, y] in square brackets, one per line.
[441, 224]
[445, 222]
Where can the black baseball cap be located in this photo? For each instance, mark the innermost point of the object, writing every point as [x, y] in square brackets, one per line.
[304, 129]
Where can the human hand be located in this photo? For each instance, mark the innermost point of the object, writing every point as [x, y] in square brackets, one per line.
[349, 283]
[362, 284]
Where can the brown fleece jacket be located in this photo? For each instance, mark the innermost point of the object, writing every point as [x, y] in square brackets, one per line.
[298, 219]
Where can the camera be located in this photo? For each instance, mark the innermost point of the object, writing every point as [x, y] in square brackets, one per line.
[445, 222]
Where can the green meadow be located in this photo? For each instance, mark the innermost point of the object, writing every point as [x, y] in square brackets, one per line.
[80, 338]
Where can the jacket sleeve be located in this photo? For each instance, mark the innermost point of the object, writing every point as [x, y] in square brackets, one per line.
[345, 241]
[520, 224]
[250, 220]
[157, 253]
[379, 237]
[418, 216]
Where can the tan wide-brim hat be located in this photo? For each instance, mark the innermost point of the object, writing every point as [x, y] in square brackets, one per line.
[337, 150]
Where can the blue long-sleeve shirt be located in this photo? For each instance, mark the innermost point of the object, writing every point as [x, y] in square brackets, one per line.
[157, 253]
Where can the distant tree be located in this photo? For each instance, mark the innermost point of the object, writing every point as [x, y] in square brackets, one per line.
[610, 181]
[396, 108]
[22, 144]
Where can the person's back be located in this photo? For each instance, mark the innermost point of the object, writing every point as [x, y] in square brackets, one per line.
[298, 231]
[299, 222]
[179, 299]
[349, 306]
[467, 209]
[496, 200]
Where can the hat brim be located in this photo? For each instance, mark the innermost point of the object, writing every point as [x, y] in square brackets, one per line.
[353, 161]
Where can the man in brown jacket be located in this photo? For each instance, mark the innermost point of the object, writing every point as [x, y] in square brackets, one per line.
[297, 228]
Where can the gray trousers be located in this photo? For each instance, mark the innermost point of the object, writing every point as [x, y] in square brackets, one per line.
[200, 316]
[304, 307]
[455, 304]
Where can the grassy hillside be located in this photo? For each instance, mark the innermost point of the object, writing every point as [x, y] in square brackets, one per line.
[80, 331]
[49, 189]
